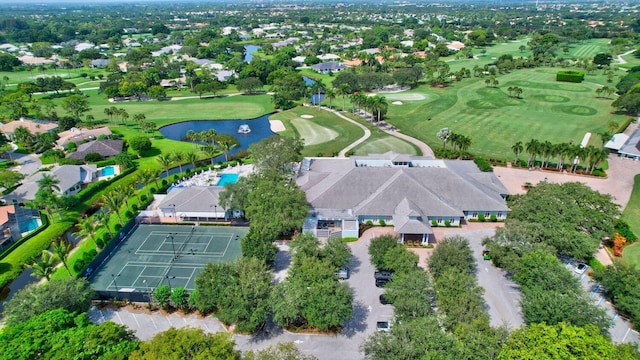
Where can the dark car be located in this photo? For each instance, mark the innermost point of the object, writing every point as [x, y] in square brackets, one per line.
[384, 300]
[382, 277]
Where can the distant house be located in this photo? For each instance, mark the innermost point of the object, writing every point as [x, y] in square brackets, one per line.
[299, 59]
[72, 179]
[9, 47]
[329, 57]
[99, 63]
[80, 135]
[34, 127]
[626, 146]
[84, 46]
[326, 67]
[455, 46]
[224, 75]
[411, 193]
[106, 148]
[14, 221]
[177, 82]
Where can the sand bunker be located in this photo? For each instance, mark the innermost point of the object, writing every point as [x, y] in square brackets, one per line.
[276, 126]
[306, 116]
[405, 97]
[396, 103]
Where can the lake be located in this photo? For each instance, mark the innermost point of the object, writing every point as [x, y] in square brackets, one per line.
[260, 129]
[248, 49]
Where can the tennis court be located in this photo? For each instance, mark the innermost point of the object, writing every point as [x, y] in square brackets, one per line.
[165, 254]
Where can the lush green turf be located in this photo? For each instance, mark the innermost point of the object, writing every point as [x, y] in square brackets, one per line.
[588, 48]
[380, 142]
[631, 59]
[322, 126]
[166, 112]
[631, 215]
[548, 110]
[72, 75]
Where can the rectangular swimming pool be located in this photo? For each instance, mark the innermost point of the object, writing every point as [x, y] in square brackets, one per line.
[228, 179]
[107, 171]
[28, 225]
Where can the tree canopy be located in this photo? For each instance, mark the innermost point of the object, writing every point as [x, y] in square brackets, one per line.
[187, 344]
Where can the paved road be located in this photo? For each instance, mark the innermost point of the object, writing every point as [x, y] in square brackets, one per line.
[501, 295]
[621, 330]
[29, 164]
[367, 311]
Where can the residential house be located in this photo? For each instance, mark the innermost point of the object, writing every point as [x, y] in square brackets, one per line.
[99, 63]
[72, 179]
[80, 135]
[14, 221]
[106, 148]
[327, 67]
[329, 57]
[411, 193]
[34, 127]
[455, 46]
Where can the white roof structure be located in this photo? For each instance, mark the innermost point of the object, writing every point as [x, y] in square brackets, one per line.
[617, 141]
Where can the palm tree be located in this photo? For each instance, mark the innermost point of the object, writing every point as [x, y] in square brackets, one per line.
[211, 152]
[191, 157]
[61, 249]
[109, 113]
[154, 175]
[343, 90]
[124, 114]
[113, 201]
[330, 94]
[613, 126]
[464, 143]
[102, 217]
[225, 146]
[43, 267]
[126, 192]
[532, 150]
[87, 229]
[178, 158]
[143, 178]
[604, 137]
[90, 119]
[165, 161]
[517, 149]
[379, 105]
[49, 183]
[597, 156]
[139, 119]
[115, 112]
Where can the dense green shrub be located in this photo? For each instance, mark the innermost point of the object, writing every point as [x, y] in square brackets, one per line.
[623, 228]
[575, 76]
[434, 223]
[481, 217]
[483, 164]
[493, 218]
[447, 223]
[382, 223]
[117, 227]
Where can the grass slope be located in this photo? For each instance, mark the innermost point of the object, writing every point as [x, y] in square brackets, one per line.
[631, 214]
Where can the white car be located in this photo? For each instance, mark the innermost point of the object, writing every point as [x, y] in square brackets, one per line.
[581, 268]
[383, 326]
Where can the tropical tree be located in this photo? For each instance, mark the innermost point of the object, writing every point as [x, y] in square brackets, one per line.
[191, 157]
[49, 182]
[330, 94]
[532, 148]
[178, 158]
[61, 249]
[165, 161]
[517, 149]
[343, 91]
[126, 192]
[124, 115]
[444, 135]
[379, 106]
[114, 201]
[102, 217]
[143, 178]
[87, 228]
[605, 136]
[44, 266]
[226, 144]
[211, 152]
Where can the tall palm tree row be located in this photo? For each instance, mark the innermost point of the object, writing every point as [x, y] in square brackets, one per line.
[576, 155]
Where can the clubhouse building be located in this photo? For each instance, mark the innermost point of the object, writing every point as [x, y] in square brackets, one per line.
[410, 193]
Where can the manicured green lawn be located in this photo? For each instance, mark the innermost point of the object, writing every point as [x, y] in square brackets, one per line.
[72, 75]
[632, 60]
[326, 133]
[631, 215]
[548, 110]
[167, 112]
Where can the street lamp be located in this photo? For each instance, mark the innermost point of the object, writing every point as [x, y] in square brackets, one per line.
[169, 280]
[114, 280]
[173, 245]
[216, 211]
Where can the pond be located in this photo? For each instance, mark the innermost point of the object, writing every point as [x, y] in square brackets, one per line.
[315, 98]
[248, 49]
[260, 129]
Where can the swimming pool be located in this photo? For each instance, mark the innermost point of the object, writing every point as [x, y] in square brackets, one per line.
[228, 179]
[28, 225]
[107, 171]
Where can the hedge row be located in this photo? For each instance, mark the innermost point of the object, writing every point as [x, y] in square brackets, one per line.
[575, 76]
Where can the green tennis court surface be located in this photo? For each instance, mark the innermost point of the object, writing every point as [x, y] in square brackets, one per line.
[165, 254]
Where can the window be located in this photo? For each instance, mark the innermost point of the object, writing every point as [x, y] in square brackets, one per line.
[475, 214]
[439, 220]
[499, 214]
[487, 214]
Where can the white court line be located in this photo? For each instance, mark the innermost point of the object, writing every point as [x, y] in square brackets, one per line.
[192, 273]
[136, 319]
[168, 320]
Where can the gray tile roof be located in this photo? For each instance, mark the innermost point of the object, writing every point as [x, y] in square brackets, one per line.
[106, 148]
[331, 65]
[67, 175]
[446, 190]
[192, 199]
[632, 145]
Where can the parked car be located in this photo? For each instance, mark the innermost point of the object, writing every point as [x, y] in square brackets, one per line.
[343, 274]
[383, 326]
[384, 300]
[581, 268]
[382, 277]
